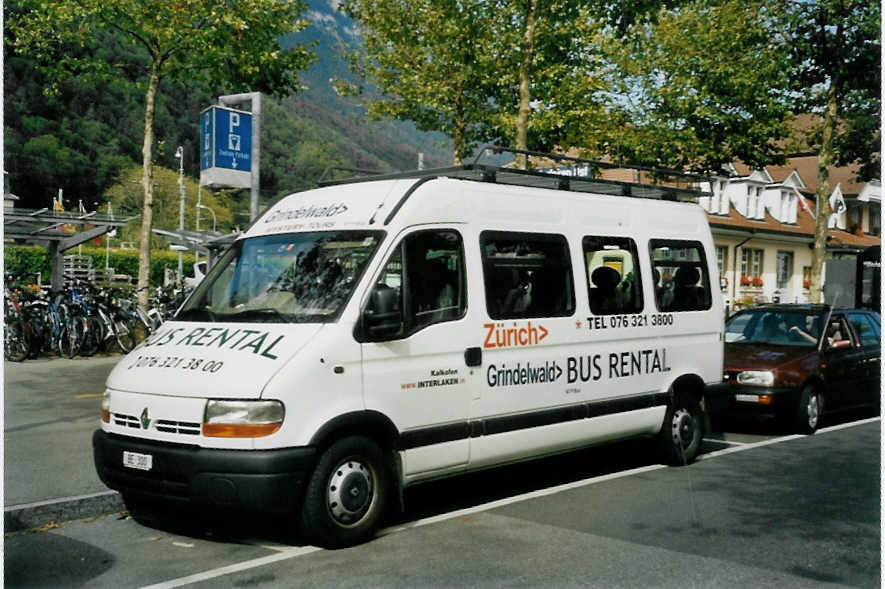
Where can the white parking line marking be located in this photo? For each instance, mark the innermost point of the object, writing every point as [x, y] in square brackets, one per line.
[235, 568]
[286, 554]
[729, 442]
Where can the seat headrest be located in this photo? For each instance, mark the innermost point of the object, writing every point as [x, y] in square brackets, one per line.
[605, 277]
[687, 276]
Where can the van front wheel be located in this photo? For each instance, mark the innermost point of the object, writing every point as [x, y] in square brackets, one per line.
[682, 432]
[346, 494]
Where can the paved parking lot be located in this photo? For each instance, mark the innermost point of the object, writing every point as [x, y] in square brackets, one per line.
[759, 509]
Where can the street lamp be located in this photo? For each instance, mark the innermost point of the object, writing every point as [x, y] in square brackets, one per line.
[179, 153]
[202, 206]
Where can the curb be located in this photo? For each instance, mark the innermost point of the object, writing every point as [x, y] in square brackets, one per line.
[34, 515]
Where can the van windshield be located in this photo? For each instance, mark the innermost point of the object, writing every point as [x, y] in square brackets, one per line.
[289, 278]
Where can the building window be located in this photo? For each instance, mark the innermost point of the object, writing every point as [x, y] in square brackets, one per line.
[784, 269]
[875, 222]
[722, 258]
[806, 276]
[751, 267]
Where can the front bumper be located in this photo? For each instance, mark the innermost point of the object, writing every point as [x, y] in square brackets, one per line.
[260, 480]
[729, 399]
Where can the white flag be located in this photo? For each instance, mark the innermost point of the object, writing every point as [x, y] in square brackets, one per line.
[803, 202]
[837, 202]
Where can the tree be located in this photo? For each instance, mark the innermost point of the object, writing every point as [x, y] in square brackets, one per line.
[431, 62]
[836, 71]
[233, 44]
[700, 86]
[479, 70]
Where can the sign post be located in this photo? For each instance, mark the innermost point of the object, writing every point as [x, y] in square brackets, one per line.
[230, 146]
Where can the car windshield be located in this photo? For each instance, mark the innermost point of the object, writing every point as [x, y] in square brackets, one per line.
[290, 278]
[777, 327]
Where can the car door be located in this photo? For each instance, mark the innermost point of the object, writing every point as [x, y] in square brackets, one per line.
[842, 356]
[868, 331]
[413, 348]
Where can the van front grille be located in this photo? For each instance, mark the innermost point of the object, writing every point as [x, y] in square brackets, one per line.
[168, 426]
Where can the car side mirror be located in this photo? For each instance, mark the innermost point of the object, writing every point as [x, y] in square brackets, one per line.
[382, 318]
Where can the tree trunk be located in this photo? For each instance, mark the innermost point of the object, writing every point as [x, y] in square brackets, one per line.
[824, 163]
[525, 80]
[147, 182]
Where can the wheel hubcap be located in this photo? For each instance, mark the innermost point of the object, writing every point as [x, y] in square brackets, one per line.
[350, 492]
[682, 428]
[813, 410]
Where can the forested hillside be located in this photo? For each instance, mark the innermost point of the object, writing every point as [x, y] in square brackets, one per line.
[84, 139]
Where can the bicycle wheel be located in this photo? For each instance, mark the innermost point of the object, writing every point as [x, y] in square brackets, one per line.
[71, 337]
[125, 331]
[91, 336]
[15, 344]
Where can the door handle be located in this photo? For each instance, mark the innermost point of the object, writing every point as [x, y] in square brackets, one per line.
[473, 356]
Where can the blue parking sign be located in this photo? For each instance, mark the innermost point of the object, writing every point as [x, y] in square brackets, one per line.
[225, 146]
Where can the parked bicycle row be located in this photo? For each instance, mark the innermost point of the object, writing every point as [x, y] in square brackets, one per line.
[80, 320]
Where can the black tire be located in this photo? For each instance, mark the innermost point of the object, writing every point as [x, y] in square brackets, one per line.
[15, 342]
[683, 430]
[808, 412]
[347, 493]
[125, 332]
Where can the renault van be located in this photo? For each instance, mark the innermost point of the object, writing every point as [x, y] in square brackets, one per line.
[368, 335]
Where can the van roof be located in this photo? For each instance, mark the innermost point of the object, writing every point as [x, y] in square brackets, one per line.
[371, 201]
[573, 174]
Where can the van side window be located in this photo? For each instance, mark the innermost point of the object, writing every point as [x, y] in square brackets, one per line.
[681, 280]
[527, 275]
[613, 278]
[424, 278]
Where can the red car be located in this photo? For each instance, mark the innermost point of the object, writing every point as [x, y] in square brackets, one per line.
[797, 362]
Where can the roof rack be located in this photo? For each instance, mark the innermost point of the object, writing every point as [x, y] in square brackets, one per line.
[572, 174]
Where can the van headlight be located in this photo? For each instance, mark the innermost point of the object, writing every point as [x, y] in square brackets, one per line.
[759, 378]
[242, 419]
[106, 407]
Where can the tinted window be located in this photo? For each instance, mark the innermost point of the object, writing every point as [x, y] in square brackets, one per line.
[527, 275]
[613, 277]
[426, 276]
[866, 328]
[682, 282]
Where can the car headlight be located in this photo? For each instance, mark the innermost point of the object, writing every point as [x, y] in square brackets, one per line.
[759, 378]
[242, 419]
[106, 407]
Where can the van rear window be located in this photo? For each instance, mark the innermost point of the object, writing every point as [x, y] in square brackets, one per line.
[681, 280]
[527, 275]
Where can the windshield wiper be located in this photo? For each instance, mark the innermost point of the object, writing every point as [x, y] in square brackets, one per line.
[195, 314]
[267, 315]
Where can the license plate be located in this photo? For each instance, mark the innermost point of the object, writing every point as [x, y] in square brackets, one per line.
[747, 398]
[137, 461]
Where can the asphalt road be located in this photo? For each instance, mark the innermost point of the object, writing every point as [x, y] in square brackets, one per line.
[51, 407]
[759, 510]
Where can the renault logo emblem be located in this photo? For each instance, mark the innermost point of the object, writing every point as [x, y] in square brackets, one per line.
[145, 419]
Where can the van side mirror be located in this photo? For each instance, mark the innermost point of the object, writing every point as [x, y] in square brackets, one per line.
[382, 318]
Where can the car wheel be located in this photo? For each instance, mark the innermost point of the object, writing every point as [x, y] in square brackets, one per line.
[346, 494]
[809, 411]
[682, 432]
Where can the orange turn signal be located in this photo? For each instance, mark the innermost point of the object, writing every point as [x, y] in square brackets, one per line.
[239, 430]
[765, 399]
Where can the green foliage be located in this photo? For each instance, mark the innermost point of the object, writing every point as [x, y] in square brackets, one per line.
[125, 201]
[26, 261]
[835, 46]
[432, 63]
[701, 86]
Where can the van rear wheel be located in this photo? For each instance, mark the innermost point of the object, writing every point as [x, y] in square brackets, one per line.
[682, 432]
[346, 494]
